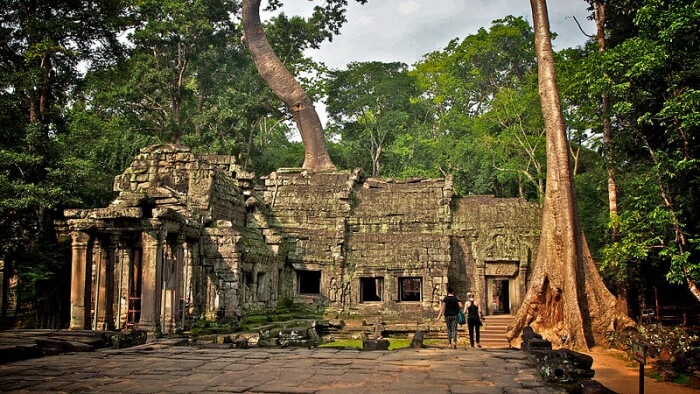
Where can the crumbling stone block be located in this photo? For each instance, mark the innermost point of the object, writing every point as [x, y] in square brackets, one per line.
[564, 365]
[241, 343]
[375, 344]
[132, 338]
[417, 341]
[533, 341]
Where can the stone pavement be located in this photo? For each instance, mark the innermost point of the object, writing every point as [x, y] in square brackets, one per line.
[156, 368]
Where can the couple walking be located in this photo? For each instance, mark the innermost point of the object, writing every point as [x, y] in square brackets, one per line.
[450, 308]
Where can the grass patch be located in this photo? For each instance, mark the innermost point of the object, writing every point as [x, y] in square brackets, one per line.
[683, 379]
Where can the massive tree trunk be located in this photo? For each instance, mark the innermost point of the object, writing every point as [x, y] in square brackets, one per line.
[286, 88]
[567, 301]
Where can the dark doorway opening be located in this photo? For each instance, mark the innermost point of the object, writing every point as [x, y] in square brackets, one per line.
[501, 296]
[135, 273]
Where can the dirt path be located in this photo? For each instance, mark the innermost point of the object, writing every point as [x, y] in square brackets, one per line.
[615, 372]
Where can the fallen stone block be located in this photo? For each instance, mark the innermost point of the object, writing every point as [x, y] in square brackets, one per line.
[535, 344]
[129, 339]
[375, 344]
[417, 341]
[563, 365]
[217, 346]
[241, 343]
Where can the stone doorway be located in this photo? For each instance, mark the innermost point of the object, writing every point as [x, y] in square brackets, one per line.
[498, 293]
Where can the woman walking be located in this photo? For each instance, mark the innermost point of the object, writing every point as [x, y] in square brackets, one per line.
[451, 305]
[473, 318]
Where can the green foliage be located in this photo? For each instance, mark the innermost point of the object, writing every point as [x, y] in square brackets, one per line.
[44, 45]
[651, 75]
[674, 347]
[484, 111]
[370, 105]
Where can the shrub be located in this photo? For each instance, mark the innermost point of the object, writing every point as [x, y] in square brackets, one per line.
[673, 350]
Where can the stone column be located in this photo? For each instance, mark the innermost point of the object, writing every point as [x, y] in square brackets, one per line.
[187, 277]
[79, 288]
[179, 280]
[121, 285]
[480, 286]
[172, 283]
[521, 281]
[105, 308]
[151, 285]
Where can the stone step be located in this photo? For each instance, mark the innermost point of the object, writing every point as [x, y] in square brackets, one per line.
[493, 332]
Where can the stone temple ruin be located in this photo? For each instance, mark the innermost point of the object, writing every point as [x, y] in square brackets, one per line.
[193, 236]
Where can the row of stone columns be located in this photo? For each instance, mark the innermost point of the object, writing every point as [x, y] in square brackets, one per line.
[163, 267]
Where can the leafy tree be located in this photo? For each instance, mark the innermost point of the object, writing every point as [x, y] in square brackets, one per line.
[652, 74]
[370, 103]
[465, 76]
[481, 91]
[43, 45]
[515, 140]
[179, 50]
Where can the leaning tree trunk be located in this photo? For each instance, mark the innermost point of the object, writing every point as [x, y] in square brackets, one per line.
[286, 88]
[567, 301]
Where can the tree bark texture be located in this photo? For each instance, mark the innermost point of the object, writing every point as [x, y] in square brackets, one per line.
[567, 302]
[286, 88]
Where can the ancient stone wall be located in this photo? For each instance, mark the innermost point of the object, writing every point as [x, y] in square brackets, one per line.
[190, 236]
[497, 239]
[172, 246]
[172, 176]
[398, 231]
[394, 245]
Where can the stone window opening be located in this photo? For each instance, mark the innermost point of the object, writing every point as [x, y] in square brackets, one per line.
[309, 282]
[247, 284]
[410, 289]
[262, 287]
[371, 289]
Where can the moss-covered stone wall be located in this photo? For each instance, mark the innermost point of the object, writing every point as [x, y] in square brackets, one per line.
[390, 236]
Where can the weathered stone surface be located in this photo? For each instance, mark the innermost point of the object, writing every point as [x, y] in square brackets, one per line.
[536, 344]
[241, 343]
[132, 338]
[532, 341]
[48, 345]
[417, 340]
[375, 344]
[206, 243]
[563, 365]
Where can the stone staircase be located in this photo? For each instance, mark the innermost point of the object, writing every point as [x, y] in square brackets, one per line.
[493, 332]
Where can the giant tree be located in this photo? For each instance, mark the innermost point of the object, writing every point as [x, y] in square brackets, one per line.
[567, 301]
[327, 20]
[287, 88]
